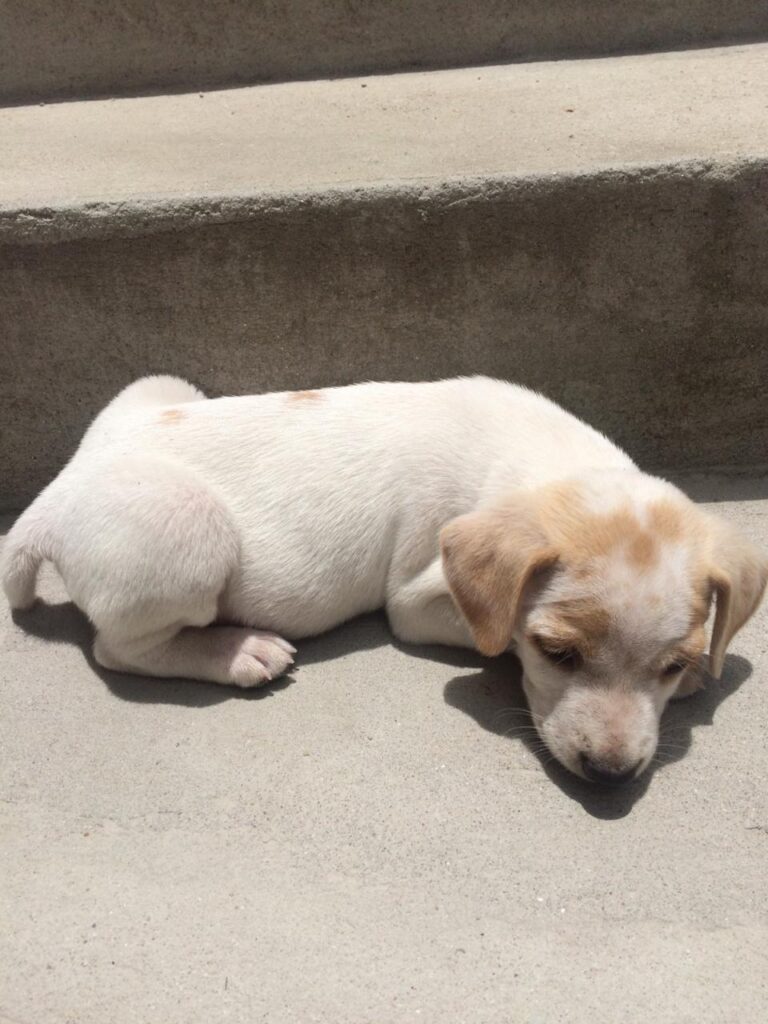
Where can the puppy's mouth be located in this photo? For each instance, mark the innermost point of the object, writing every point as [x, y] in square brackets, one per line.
[601, 774]
[607, 772]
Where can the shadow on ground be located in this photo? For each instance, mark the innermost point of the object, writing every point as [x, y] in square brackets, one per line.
[494, 697]
[65, 623]
[490, 692]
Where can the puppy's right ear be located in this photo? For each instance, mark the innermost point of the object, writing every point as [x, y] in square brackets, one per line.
[489, 556]
[738, 576]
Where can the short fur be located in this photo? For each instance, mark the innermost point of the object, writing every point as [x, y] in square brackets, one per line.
[476, 512]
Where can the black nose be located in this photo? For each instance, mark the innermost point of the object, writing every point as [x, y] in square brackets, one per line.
[606, 774]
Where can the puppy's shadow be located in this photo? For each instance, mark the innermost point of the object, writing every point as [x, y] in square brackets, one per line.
[490, 692]
[494, 697]
[65, 623]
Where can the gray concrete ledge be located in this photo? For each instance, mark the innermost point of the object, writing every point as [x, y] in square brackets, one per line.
[371, 841]
[136, 216]
[639, 302]
[74, 48]
[616, 262]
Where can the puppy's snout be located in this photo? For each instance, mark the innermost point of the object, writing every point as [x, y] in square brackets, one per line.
[607, 774]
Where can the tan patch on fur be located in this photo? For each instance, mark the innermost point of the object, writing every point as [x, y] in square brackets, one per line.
[582, 536]
[702, 600]
[693, 646]
[668, 521]
[590, 620]
[643, 550]
[738, 575]
[489, 558]
[689, 652]
[490, 555]
[581, 624]
[304, 396]
[171, 416]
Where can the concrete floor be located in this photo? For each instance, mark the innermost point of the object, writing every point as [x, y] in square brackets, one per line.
[369, 841]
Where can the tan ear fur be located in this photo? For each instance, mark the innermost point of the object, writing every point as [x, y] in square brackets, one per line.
[738, 577]
[489, 556]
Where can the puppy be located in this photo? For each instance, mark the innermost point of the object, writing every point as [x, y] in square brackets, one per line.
[477, 513]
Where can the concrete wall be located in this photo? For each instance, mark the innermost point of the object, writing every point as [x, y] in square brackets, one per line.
[60, 48]
[638, 300]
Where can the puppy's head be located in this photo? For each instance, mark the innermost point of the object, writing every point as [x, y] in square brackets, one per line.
[604, 586]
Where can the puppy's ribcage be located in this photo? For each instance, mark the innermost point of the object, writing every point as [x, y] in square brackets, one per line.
[330, 524]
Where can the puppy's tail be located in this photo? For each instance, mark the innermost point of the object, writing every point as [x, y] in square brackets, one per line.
[26, 546]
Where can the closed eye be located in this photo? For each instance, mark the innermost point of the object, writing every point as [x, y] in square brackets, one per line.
[564, 657]
[674, 668]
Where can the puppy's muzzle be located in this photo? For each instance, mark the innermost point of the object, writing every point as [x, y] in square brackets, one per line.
[607, 774]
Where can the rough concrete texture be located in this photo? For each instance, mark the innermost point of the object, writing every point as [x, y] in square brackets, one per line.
[371, 842]
[560, 117]
[55, 48]
[624, 271]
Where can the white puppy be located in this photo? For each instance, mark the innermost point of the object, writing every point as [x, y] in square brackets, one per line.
[476, 512]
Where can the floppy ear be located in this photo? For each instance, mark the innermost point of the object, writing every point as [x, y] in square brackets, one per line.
[488, 558]
[738, 577]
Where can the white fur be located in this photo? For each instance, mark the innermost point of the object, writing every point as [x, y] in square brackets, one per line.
[289, 513]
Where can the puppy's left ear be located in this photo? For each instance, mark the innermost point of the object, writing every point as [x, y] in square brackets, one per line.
[738, 578]
[489, 557]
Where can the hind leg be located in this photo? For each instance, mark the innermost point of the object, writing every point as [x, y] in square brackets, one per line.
[148, 555]
[218, 654]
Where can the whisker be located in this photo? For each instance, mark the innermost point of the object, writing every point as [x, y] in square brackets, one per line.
[506, 712]
[521, 731]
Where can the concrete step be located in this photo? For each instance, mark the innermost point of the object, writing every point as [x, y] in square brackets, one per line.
[58, 48]
[595, 229]
[371, 840]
